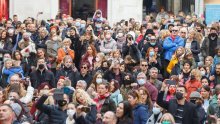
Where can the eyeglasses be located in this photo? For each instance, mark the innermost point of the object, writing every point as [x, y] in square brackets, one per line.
[174, 30]
[83, 67]
[144, 65]
[183, 32]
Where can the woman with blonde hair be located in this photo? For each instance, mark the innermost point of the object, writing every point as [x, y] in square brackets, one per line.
[100, 57]
[85, 107]
[167, 118]
[178, 55]
[65, 50]
[194, 82]
[163, 35]
[193, 44]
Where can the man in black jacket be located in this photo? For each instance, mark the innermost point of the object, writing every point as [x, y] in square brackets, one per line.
[84, 75]
[210, 43]
[68, 71]
[56, 114]
[41, 75]
[184, 112]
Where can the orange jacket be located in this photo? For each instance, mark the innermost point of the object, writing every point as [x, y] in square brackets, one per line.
[192, 86]
[61, 54]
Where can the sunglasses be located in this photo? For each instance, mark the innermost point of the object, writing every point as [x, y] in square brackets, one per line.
[183, 32]
[174, 30]
[84, 67]
[144, 65]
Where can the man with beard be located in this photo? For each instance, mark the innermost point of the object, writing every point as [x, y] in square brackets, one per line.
[68, 71]
[153, 78]
[184, 112]
[210, 43]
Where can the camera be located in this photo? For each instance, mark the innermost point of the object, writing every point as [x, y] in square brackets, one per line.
[86, 109]
[58, 94]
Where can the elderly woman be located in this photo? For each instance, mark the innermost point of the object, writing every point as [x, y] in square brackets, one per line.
[26, 45]
[65, 50]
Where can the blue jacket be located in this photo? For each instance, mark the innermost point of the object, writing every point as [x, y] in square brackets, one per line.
[140, 114]
[116, 97]
[11, 71]
[170, 46]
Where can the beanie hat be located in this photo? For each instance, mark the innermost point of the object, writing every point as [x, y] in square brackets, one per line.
[16, 108]
[195, 94]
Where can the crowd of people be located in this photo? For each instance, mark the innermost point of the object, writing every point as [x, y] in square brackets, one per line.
[164, 70]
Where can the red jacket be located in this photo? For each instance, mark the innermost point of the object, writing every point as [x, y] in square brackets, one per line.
[192, 85]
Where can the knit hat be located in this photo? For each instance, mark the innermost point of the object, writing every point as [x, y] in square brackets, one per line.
[16, 108]
[195, 94]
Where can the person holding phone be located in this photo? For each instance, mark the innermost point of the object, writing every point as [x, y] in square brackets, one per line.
[85, 108]
[130, 48]
[56, 113]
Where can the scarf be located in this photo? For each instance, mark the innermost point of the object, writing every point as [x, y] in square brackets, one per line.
[100, 101]
[172, 37]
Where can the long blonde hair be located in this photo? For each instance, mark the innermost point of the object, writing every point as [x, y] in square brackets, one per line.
[85, 95]
[164, 34]
[171, 119]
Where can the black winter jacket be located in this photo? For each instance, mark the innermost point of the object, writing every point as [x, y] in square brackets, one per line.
[55, 114]
[46, 76]
[190, 115]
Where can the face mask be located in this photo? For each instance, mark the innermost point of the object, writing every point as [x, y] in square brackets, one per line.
[127, 82]
[70, 112]
[166, 122]
[153, 44]
[68, 65]
[171, 20]
[151, 54]
[172, 90]
[97, 59]
[104, 68]
[98, 80]
[77, 24]
[55, 38]
[98, 25]
[10, 31]
[202, 73]
[179, 95]
[69, 24]
[193, 101]
[108, 37]
[120, 34]
[156, 111]
[41, 66]
[213, 35]
[192, 77]
[141, 81]
[83, 26]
